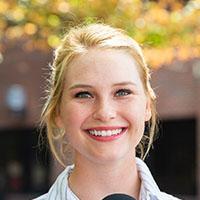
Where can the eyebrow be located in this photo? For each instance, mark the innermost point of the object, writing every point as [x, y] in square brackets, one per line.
[125, 83]
[90, 86]
[79, 86]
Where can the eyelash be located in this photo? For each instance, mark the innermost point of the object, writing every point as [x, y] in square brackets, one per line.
[86, 94]
[80, 95]
[125, 92]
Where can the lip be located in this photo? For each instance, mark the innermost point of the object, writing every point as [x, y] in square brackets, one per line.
[106, 128]
[107, 138]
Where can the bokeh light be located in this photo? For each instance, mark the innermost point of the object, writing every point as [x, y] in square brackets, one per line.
[167, 30]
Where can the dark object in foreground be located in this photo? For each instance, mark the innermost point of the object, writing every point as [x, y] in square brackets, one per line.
[118, 197]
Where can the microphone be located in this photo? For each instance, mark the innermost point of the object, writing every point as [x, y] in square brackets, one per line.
[118, 196]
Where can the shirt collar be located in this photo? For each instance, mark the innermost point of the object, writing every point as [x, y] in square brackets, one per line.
[149, 190]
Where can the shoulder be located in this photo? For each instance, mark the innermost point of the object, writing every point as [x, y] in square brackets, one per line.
[43, 197]
[58, 189]
[168, 196]
[149, 185]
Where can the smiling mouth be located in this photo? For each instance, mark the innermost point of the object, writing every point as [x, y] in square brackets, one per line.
[105, 133]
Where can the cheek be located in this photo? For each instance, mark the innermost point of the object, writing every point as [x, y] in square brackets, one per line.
[74, 116]
[135, 115]
[135, 111]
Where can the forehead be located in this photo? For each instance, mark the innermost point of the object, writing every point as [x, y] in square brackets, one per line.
[103, 65]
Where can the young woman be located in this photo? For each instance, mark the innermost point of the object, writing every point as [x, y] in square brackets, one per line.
[101, 102]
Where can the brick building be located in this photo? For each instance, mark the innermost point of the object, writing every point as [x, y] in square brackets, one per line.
[178, 91]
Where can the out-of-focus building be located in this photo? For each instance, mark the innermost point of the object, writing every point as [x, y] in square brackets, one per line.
[174, 160]
[24, 164]
[177, 150]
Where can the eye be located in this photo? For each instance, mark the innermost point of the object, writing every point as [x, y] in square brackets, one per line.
[83, 95]
[123, 92]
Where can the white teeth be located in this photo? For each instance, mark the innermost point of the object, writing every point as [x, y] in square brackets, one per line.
[105, 132]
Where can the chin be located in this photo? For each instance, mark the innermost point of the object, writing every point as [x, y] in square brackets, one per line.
[113, 156]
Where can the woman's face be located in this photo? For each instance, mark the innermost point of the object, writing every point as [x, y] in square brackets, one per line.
[103, 106]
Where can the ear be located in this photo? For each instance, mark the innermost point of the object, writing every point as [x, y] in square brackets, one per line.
[148, 113]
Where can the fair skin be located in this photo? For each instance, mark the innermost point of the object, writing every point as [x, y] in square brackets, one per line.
[104, 95]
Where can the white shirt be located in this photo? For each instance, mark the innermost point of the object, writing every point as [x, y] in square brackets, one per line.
[149, 190]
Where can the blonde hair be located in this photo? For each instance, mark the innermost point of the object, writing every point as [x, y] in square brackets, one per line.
[77, 41]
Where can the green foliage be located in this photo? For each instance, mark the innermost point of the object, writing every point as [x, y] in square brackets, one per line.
[160, 26]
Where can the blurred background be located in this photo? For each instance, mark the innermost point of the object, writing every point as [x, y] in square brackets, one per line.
[169, 32]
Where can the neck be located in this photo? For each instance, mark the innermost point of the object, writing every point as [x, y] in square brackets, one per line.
[103, 179]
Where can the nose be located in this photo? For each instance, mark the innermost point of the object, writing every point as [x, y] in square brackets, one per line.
[104, 111]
